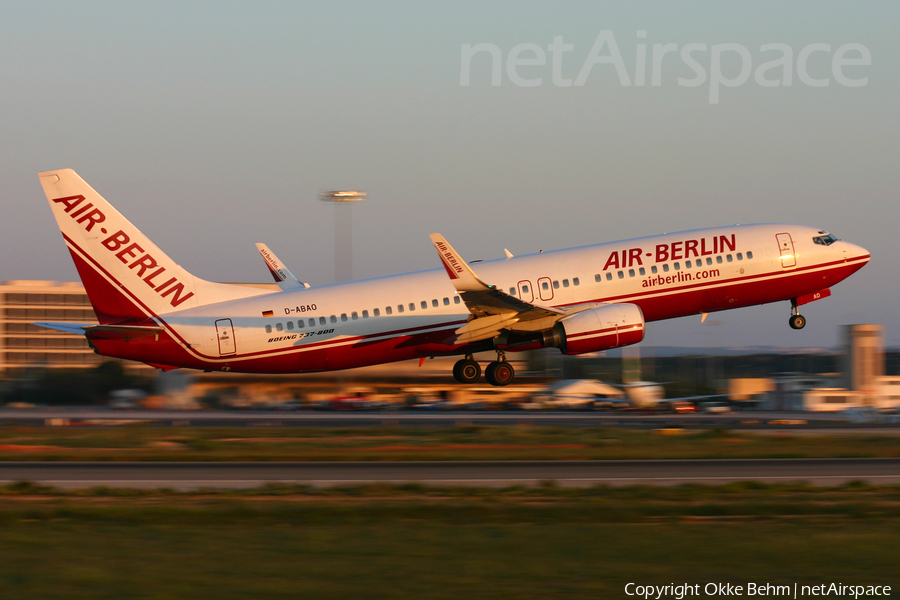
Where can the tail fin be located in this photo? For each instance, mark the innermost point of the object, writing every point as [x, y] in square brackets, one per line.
[126, 276]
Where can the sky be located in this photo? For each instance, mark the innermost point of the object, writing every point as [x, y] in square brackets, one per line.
[215, 125]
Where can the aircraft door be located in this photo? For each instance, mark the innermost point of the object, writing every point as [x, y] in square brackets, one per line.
[525, 291]
[225, 334]
[786, 248]
[545, 288]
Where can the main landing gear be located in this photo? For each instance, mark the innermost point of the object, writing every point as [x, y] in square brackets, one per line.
[498, 372]
[467, 370]
[797, 321]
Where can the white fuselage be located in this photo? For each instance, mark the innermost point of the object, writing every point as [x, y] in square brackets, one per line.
[415, 314]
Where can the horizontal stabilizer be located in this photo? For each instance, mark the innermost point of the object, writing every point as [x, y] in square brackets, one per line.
[73, 328]
[105, 332]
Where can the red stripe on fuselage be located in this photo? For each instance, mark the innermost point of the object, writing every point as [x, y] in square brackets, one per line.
[119, 305]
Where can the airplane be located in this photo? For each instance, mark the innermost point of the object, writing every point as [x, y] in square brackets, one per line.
[578, 300]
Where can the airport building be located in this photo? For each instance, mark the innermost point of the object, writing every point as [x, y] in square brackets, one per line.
[865, 386]
[24, 346]
[863, 363]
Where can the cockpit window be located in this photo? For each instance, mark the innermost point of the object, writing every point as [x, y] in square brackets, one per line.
[825, 240]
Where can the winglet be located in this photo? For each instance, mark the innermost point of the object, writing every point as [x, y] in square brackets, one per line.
[462, 276]
[280, 273]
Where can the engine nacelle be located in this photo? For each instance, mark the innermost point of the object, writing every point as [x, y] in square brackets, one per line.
[595, 329]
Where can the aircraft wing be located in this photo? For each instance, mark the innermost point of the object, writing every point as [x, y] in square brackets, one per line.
[280, 273]
[492, 309]
[105, 332]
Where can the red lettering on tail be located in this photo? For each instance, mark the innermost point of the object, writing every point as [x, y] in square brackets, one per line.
[70, 202]
[91, 219]
[177, 289]
[115, 241]
[143, 263]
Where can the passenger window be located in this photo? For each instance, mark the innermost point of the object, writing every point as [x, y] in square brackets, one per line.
[749, 254]
[434, 302]
[524, 290]
[728, 258]
[333, 319]
[290, 325]
[365, 314]
[708, 260]
[446, 301]
[719, 259]
[322, 320]
[279, 327]
[555, 285]
[344, 317]
[456, 299]
[565, 283]
[621, 275]
[631, 272]
[666, 268]
[354, 316]
[654, 270]
[424, 304]
[512, 292]
[687, 264]
[575, 281]
[376, 312]
[268, 329]
[740, 256]
[545, 285]
[388, 310]
[609, 276]
[300, 324]
[312, 322]
[642, 271]
[399, 308]
[677, 266]
[597, 278]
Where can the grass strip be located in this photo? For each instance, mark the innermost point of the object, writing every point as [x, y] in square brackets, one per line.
[412, 443]
[439, 543]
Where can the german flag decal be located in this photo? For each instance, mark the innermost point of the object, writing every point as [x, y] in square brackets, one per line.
[268, 313]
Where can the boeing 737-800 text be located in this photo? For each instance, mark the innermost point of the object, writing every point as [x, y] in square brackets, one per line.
[578, 300]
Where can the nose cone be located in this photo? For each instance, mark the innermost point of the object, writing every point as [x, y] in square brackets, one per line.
[855, 253]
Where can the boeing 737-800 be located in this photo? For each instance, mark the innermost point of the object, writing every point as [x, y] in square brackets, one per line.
[578, 300]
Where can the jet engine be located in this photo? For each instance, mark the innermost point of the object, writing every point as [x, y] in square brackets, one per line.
[595, 329]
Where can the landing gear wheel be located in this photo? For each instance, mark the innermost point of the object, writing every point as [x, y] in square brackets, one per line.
[466, 371]
[499, 373]
[797, 321]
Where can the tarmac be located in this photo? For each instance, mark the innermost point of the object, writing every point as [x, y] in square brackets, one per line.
[242, 475]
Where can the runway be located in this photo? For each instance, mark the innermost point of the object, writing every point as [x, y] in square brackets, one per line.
[57, 416]
[242, 475]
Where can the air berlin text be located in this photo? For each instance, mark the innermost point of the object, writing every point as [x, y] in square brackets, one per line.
[450, 263]
[631, 257]
[131, 254]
